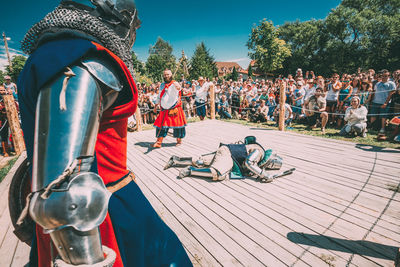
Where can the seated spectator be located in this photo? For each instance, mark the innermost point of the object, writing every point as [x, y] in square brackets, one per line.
[356, 117]
[244, 108]
[262, 113]
[288, 114]
[317, 109]
[223, 108]
[253, 110]
[235, 98]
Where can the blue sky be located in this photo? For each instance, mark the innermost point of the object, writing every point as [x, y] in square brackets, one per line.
[223, 25]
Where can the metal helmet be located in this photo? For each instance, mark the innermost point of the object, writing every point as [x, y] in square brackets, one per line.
[270, 161]
[121, 15]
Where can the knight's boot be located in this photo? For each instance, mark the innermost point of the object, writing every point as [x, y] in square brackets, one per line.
[158, 143]
[178, 141]
[4, 145]
[175, 161]
[202, 172]
[184, 172]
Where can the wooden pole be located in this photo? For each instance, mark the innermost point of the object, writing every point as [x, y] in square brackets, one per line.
[282, 100]
[15, 127]
[212, 102]
[7, 52]
[138, 117]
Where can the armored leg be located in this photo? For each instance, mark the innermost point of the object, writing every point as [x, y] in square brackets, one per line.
[202, 172]
[176, 161]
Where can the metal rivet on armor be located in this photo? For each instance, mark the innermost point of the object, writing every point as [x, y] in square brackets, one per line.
[73, 206]
[71, 248]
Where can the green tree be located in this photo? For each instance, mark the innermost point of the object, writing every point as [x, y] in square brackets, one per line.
[358, 33]
[266, 48]
[160, 58]
[202, 63]
[250, 70]
[1, 77]
[234, 74]
[138, 65]
[18, 63]
[307, 40]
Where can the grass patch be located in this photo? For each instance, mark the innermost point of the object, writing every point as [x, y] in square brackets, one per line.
[330, 133]
[4, 171]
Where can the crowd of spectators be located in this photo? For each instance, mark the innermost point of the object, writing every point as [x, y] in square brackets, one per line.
[351, 103]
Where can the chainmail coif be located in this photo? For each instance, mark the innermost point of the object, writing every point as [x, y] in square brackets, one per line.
[81, 20]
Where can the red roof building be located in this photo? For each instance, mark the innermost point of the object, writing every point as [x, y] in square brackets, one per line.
[225, 68]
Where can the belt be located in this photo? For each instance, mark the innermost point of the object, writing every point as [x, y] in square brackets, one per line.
[114, 187]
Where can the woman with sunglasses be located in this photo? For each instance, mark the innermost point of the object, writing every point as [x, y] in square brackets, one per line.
[344, 98]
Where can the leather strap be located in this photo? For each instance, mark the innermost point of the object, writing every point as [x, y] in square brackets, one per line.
[121, 184]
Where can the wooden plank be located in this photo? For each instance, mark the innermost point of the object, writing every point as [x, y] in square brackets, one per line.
[8, 247]
[213, 230]
[130, 148]
[207, 198]
[332, 201]
[333, 183]
[21, 256]
[247, 193]
[246, 218]
[213, 185]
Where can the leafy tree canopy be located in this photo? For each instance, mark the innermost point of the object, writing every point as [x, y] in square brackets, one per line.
[160, 58]
[202, 63]
[358, 33]
[18, 63]
[266, 48]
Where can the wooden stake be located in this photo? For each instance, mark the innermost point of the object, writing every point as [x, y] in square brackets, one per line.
[282, 100]
[138, 117]
[15, 127]
[212, 102]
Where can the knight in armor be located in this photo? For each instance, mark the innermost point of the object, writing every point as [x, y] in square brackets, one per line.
[235, 161]
[171, 113]
[76, 93]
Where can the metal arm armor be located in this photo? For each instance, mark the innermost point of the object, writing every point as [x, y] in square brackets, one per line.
[67, 121]
[251, 163]
[68, 115]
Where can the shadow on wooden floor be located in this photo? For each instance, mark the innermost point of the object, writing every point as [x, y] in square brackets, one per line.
[360, 247]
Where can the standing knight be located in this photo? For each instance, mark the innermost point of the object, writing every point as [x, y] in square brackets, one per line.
[76, 93]
[171, 114]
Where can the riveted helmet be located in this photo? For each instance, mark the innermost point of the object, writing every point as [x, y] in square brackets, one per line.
[121, 15]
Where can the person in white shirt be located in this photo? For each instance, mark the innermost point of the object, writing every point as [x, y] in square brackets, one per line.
[382, 94]
[356, 117]
[201, 97]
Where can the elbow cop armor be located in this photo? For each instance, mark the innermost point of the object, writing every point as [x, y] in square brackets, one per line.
[69, 201]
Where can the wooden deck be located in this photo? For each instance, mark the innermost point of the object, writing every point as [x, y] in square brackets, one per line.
[339, 208]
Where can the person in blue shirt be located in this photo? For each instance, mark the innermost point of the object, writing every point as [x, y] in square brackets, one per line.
[223, 108]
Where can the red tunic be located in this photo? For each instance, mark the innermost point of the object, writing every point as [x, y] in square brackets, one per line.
[167, 119]
[111, 151]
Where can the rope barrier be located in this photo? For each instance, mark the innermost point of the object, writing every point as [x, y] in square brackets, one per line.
[194, 107]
